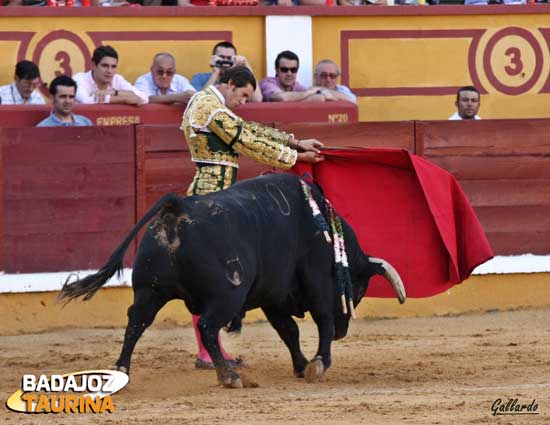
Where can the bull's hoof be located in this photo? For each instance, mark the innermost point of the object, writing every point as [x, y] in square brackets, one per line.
[300, 367]
[249, 383]
[121, 369]
[314, 370]
[299, 373]
[233, 383]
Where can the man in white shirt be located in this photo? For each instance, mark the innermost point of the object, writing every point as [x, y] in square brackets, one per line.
[102, 84]
[162, 84]
[467, 104]
[24, 89]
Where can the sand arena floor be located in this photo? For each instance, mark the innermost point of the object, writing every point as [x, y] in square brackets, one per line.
[439, 370]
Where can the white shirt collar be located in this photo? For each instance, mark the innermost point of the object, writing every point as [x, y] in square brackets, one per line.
[34, 99]
[457, 117]
[94, 84]
[218, 94]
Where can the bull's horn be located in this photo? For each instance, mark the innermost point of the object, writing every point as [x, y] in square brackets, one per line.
[393, 277]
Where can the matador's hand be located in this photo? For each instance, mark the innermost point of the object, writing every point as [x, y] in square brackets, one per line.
[310, 157]
[309, 145]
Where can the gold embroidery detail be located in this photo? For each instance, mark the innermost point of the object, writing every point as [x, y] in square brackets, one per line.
[271, 133]
[210, 128]
[212, 178]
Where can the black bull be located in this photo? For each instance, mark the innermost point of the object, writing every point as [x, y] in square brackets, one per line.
[253, 245]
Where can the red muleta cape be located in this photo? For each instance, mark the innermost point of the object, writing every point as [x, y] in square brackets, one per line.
[407, 211]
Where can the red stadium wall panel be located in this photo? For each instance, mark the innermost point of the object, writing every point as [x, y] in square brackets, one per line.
[68, 196]
[504, 168]
[164, 164]
[398, 135]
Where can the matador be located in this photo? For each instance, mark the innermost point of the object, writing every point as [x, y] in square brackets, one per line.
[216, 136]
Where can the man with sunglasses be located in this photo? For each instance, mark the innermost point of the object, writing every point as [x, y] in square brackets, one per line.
[24, 89]
[326, 76]
[284, 87]
[162, 84]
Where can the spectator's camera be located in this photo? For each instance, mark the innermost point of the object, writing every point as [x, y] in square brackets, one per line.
[224, 63]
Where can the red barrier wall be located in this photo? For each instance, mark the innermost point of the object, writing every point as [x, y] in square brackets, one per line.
[327, 112]
[504, 168]
[68, 196]
[164, 164]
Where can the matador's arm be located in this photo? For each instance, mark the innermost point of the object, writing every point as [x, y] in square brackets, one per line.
[262, 143]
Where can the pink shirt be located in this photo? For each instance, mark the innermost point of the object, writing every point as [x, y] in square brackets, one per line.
[271, 85]
[85, 92]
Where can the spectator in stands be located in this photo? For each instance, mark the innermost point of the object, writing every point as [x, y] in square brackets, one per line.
[162, 84]
[63, 92]
[23, 90]
[484, 2]
[281, 2]
[284, 87]
[361, 2]
[102, 84]
[295, 3]
[24, 3]
[224, 56]
[175, 2]
[467, 104]
[387, 2]
[114, 3]
[326, 76]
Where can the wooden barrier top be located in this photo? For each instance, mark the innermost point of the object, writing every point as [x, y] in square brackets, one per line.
[300, 112]
[323, 112]
[445, 10]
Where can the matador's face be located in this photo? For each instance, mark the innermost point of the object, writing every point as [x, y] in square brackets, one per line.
[236, 96]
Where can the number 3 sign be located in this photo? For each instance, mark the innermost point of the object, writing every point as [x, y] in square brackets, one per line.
[61, 53]
[513, 60]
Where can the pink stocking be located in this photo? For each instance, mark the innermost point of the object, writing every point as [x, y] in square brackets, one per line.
[203, 354]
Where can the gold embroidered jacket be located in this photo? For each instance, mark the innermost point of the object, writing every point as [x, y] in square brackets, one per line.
[216, 136]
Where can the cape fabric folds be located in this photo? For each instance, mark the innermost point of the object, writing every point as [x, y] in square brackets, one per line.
[407, 211]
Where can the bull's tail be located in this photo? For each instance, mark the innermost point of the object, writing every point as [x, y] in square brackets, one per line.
[88, 286]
